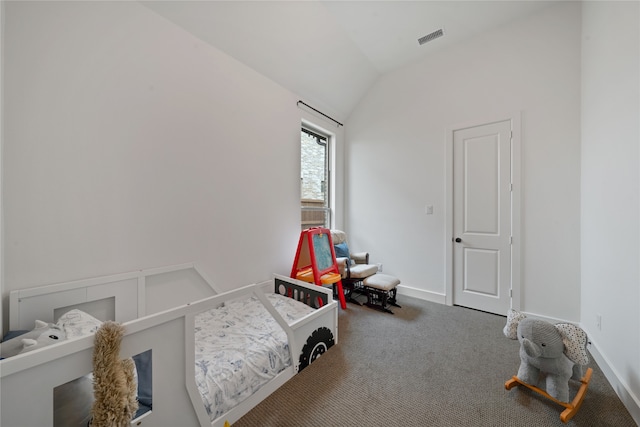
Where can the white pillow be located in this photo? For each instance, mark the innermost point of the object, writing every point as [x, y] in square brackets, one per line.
[77, 323]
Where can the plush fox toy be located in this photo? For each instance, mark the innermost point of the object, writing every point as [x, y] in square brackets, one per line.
[114, 384]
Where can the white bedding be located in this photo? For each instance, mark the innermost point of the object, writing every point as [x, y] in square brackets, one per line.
[239, 348]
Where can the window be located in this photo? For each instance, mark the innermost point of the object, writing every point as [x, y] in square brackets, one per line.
[314, 180]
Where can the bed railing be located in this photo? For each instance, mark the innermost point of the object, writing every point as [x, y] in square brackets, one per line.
[31, 377]
[120, 297]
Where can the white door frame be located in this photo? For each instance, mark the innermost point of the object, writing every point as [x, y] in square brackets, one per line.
[516, 245]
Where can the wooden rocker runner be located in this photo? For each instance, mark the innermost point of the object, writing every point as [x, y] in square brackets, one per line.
[570, 408]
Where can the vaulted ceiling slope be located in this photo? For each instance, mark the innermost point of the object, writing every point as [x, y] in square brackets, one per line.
[331, 52]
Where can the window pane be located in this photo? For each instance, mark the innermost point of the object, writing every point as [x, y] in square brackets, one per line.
[314, 217]
[314, 178]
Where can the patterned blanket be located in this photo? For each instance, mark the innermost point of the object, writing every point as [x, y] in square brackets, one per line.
[239, 348]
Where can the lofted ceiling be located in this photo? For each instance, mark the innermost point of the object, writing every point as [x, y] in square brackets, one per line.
[331, 52]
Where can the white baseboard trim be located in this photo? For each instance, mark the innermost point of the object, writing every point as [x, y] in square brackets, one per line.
[553, 320]
[421, 294]
[629, 400]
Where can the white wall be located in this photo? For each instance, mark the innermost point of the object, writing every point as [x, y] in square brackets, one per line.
[131, 144]
[610, 191]
[396, 153]
[1, 156]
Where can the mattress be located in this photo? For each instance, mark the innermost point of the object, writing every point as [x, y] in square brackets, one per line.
[239, 348]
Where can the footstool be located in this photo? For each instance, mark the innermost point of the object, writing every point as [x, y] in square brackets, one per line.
[381, 291]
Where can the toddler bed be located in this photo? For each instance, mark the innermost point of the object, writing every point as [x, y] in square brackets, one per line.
[206, 368]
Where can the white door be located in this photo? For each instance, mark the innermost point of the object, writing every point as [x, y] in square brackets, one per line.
[482, 217]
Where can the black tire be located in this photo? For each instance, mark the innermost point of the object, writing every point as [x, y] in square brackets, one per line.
[319, 342]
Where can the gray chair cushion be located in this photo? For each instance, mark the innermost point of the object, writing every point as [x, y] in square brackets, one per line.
[383, 282]
[360, 271]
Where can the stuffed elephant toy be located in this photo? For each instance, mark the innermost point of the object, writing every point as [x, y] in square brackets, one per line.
[559, 351]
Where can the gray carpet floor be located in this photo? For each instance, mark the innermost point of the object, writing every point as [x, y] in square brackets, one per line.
[426, 365]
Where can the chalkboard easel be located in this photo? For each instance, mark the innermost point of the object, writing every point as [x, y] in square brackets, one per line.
[315, 260]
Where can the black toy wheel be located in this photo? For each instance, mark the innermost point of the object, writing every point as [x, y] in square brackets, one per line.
[319, 342]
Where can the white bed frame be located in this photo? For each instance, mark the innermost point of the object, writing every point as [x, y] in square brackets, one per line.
[140, 300]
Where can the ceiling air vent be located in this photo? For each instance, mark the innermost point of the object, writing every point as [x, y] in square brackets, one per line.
[431, 36]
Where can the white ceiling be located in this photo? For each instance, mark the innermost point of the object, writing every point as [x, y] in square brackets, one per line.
[331, 52]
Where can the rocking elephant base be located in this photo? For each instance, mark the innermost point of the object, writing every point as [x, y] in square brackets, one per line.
[570, 408]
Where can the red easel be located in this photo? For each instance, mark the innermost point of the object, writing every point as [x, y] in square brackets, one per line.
[315, 260]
